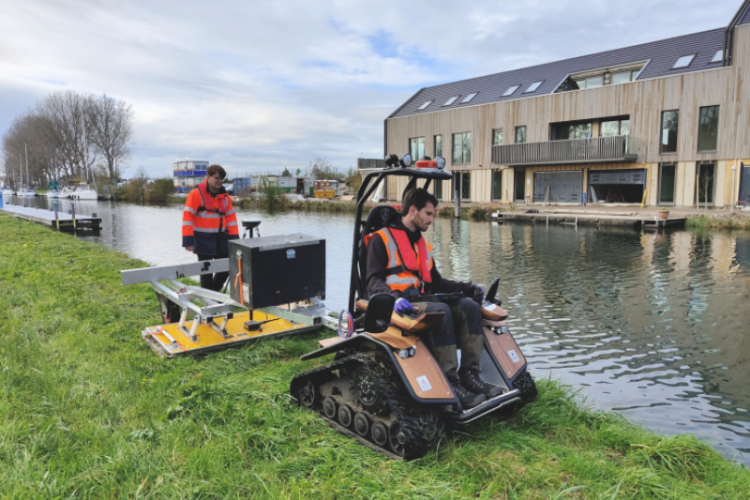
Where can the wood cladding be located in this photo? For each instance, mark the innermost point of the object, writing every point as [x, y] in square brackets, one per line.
[642, 101]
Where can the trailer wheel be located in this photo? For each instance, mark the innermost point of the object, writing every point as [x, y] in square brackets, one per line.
[170, 312]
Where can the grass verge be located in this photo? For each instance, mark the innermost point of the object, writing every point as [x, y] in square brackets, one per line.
[88, 411]
[732, 222]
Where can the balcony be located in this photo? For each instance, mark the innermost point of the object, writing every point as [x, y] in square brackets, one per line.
[618, 149]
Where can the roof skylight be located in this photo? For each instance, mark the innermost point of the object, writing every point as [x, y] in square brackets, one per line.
[533, 87]
[718, 56]
[684, 61]
[450, 101]
[469, 97]
[511, 90]
[423, 106]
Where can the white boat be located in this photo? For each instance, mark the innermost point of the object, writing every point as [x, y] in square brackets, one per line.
[26, 192]
[7, 192]
[53, 193]
[82, 192]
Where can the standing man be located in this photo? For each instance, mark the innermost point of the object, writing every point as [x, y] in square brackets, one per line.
[399, 263]
[208, 223]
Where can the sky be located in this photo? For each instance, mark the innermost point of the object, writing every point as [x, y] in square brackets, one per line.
[258, 86]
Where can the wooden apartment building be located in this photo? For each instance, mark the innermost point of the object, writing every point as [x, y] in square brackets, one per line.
[668, 121]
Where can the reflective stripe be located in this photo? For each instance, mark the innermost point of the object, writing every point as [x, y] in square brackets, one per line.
[395, 280]
[393, 260]
[231, 224]
[230, 212]
[187, 223]
[206, 215]
[206, 229]
[188, 209]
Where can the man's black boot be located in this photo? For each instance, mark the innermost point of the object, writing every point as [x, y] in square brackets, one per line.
[468, 399]
[471, 380]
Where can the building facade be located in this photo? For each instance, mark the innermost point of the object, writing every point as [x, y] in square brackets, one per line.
[188, 174]
[665, 123]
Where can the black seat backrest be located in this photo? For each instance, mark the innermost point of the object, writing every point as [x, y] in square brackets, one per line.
[378, 217]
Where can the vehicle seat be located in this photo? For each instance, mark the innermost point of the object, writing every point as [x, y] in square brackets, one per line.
[378, 217]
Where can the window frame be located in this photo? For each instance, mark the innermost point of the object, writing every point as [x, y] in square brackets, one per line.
[692, 59]
[423, 147]
[464, 137]
[425, 105]
[450, 101]
[515, 134]
[659, 201]
[434, 145]
[719, 54]
[508, 91]
[496, 172]
[661, 132]
[502, 136]
[535, 86]
[716, 139]
[469, 97]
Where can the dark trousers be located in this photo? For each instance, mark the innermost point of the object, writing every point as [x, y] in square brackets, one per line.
[213, 281]
[461, 328]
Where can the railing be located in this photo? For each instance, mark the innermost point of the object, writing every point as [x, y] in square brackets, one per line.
[622, 148]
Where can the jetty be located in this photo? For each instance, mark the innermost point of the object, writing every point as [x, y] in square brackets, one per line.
[61, 221]
[576, 218]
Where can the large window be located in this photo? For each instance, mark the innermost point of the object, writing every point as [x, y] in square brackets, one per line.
[667, 177]
[462, 148]
[462, 184]
[416, 148]
[708, 128]
[612, 128]
[497, 136]
[438, 150]
[706, 182]
[669, 122]
[497, 184]
[566, 131]
[521, 134]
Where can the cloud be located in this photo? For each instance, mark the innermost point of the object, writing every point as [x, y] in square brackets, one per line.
[263, 85]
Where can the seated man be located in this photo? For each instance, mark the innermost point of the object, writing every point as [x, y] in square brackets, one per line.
[399, 263]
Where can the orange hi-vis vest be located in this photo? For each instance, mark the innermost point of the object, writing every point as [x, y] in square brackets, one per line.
[409, 266]
[205, 218]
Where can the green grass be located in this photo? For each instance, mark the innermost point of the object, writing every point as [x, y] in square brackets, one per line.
[89, 411]
[735, 221]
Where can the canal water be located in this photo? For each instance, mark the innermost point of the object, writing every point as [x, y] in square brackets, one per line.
[653, 326]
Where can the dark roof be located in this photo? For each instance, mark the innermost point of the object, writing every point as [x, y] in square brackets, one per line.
[745, 17]
[661, 56]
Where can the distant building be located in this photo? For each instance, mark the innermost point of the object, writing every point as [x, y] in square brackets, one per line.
[666, 122]
[188, 174]
[245, 186]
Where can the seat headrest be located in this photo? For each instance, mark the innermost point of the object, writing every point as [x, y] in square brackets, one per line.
[379, 216]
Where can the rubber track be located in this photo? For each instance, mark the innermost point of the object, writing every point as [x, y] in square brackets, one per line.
[526, 385]
[422, 427]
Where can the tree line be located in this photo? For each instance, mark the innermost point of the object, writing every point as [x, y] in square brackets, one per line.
[68, 136]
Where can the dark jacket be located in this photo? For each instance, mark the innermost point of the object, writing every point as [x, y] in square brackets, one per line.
[377, 260]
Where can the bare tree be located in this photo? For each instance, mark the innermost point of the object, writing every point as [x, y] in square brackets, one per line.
[68, 113]
[111, 131]
[25, 142]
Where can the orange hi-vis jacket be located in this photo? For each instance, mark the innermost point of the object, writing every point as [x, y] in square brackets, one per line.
[409, 266]
[208, 222]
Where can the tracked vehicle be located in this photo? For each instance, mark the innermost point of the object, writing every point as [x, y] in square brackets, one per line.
[384, 387]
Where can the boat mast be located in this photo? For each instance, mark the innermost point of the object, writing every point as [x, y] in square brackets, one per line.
[28, 179]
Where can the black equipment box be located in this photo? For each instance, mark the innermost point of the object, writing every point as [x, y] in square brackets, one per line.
[276, 270]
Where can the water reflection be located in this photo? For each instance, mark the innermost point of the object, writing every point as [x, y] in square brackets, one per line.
[650, 325]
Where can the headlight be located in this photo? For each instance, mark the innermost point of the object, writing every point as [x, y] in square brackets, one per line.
[346, 324]
[440, 162]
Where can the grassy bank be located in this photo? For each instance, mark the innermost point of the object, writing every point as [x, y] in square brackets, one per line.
[88, 411]
[732, 221]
